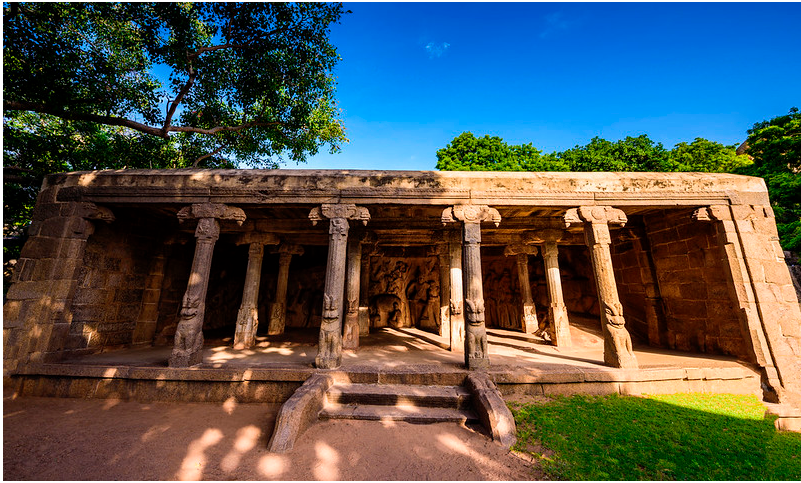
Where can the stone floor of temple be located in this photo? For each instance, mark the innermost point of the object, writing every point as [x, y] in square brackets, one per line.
[520, 364]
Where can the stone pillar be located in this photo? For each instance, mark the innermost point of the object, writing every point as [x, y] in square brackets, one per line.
[247, 319]
[364, 285]
[596, 219]
[329, 351]
[350, 336]
[528, 320]
[443, 251]
[188, 349]
[456, 294]
[278, 307]
[557, 311]
[476, 356]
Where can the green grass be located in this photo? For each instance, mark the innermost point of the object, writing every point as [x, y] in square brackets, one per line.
[674, 437]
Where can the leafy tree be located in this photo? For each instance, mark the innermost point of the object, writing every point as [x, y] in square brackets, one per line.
[161, 85]
[706, 156]
[469, 153]
[247, 81]
[630, 154]
[775, 146]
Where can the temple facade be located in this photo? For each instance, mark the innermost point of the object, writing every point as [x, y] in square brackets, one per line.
[682, 261]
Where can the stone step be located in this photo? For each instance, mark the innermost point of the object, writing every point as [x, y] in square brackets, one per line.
[409, 414]
[400, 395]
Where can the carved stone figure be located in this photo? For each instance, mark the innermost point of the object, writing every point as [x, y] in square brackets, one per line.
[385, 310]
[189, 335]
[621, 353]
[475, 335]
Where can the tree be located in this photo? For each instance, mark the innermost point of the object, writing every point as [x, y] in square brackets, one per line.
[775, 147]
[706, 156]
[469, 153]
[630, 154]
[161, 85]
[247, 81]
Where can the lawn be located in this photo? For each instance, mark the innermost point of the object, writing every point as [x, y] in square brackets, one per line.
[672, 437]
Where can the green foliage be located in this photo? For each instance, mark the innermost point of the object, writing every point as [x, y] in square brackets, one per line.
[706, 156]
[469, 153]
[248, 83]
[630, 154]
[675, 437]
[775, 146]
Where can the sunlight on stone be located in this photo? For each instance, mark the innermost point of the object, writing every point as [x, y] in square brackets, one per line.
[327, 462]
[246, 439]
[110, 372]
[229, 405]
[272, 466]
[192, 465]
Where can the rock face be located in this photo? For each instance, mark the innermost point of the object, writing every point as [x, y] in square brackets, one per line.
[683, 261]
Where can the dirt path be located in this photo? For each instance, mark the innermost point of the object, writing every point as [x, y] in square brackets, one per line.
[76, 439]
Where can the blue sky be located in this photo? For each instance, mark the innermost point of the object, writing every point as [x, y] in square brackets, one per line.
[415, 75]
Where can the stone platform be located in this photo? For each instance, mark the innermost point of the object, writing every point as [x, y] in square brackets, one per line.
[521, 364]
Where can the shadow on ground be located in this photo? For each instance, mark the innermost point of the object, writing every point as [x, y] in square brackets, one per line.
[77, 439]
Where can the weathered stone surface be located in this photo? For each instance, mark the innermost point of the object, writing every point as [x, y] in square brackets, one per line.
[491, 409]
[299, 412]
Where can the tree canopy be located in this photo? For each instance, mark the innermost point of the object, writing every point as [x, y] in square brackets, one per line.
[775, 147]
[163, 85]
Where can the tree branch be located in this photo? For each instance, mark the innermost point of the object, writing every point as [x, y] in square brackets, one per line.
[178, 99]
[120, 121]
[81, 116]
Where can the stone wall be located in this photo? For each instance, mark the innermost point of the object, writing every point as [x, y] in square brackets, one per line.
[111, 283]
[699, 312]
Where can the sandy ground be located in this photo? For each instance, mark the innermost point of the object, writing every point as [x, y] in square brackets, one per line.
[78, 439]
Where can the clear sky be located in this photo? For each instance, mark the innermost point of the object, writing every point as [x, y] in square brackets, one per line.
[415, 75]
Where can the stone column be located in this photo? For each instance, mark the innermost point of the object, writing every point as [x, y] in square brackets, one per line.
[476, 356]
[557, 311]
[350, 336]
[278, 307]
[247, 319]
[456, 294]
[188, 349]
[364, 282]
[596, 219]
[443, 251]
[329, 351]
[528, 320]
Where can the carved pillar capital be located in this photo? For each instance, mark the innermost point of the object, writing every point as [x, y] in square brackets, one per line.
[207, 229]
[251, 237]
[218, 211]
[470, 214]
[91, 211]
[512, 250]
[595, 215]
[288, 249]
[343, 211]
